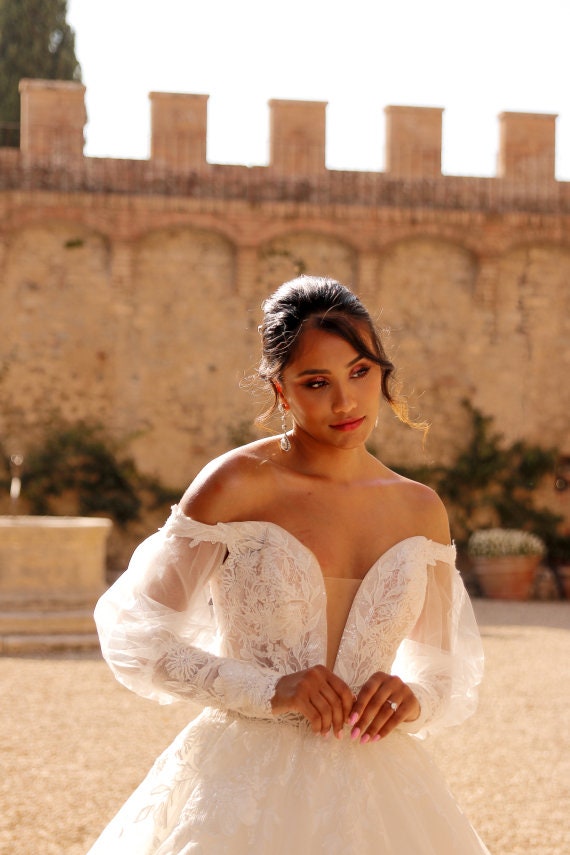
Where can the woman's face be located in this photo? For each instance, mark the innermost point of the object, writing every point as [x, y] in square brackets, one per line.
[332, 392]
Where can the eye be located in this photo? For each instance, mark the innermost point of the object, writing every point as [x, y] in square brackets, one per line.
[361, 371]
[316, 383]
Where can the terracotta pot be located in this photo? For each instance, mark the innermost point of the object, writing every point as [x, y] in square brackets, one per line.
[506, 577]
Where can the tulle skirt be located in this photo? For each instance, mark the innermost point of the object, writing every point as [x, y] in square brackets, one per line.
[229, 785]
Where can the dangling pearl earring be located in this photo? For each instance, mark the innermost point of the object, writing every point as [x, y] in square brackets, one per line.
[285, 442]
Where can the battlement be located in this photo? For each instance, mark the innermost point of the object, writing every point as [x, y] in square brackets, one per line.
[51, 157]
[52, 118]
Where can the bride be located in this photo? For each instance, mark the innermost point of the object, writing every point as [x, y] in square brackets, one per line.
[302, 600]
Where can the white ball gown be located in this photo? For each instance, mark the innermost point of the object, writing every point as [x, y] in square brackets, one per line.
[213, 616]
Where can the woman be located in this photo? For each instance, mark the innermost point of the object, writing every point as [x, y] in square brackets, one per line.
[305, 597]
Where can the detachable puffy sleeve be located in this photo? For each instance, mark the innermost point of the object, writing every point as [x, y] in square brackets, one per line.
[158, 631]
[442, 658]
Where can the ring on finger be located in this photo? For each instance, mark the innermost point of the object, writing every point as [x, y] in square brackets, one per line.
[392, 704]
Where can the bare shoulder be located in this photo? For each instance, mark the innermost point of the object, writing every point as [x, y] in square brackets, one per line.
[425, 510]
[222, 491]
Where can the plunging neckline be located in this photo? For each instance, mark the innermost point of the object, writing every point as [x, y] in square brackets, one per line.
[340, 597]
[315, 564]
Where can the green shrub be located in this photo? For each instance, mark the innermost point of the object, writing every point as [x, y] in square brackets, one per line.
[498, 542]
[81, 461]
[493, 484]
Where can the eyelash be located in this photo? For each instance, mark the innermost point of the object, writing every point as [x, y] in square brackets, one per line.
[319, 383]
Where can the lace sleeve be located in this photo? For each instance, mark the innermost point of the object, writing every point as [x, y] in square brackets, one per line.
[158, 632]
[442, 658]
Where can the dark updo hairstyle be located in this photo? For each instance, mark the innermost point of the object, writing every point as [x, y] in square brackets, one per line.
[315, 302]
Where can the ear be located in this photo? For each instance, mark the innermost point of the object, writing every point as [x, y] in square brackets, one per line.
[277, 388]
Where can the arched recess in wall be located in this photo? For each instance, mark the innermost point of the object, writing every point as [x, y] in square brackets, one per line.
[425, 299]
[291, 254]
[189, 344]
[531, 359]
[57, 325]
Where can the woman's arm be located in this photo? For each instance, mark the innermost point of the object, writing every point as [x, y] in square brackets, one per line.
[158, 633]
[442, 658]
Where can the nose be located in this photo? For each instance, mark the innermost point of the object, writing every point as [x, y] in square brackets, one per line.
[343, 401]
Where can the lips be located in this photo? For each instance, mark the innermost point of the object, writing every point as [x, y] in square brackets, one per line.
[350, 424]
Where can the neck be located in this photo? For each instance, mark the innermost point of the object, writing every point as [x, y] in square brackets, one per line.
[327, 462]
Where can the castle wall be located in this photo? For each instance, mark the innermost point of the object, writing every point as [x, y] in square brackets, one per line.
[131, 290]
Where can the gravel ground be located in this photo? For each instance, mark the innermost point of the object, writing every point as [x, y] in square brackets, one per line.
[74, 743]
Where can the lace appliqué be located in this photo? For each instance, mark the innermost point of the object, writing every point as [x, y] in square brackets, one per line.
[224, 684]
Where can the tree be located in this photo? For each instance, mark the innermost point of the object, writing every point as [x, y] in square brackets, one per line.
[35, 41]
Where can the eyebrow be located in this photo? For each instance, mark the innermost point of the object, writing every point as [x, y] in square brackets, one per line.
[325, 370]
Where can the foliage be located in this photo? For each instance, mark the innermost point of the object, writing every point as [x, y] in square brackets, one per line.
[493, 484]
[35, 41]
[82, 463]
[497, 542]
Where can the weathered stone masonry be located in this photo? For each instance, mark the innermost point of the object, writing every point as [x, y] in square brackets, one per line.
[131, 289]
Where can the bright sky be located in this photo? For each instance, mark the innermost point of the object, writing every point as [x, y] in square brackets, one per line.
[475, 59]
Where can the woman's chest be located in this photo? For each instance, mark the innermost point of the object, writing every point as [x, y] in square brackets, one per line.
[276, 592]
[346, 528]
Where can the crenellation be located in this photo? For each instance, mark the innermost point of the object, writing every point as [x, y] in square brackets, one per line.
[178, 130]
[527, 147]
[53, 117]
[297, 137]
[413, 141]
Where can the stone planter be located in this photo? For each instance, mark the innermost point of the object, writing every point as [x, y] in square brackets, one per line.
[505, 577]
[52, 556]
[52, 571]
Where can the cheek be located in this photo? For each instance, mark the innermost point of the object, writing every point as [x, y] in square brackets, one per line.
[305, 405]
[373, 386]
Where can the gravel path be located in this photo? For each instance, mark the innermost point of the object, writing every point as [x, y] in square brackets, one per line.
[74, 743]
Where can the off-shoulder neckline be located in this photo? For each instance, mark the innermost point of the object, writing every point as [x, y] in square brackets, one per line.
[437, 546]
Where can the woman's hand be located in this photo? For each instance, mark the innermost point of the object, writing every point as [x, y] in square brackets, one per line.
[382, 703]
[318, 694]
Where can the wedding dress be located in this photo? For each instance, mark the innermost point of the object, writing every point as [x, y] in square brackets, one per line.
[213, 616]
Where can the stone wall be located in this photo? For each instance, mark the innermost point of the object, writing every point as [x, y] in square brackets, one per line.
[131, 290]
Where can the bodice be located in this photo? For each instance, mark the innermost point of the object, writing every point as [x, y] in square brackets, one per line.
[270, 602]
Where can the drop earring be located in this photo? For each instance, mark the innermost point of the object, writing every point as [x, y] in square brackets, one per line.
[285, 442]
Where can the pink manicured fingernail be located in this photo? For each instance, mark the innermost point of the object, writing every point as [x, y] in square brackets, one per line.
[340, 734]
[365, 738]
[353, 718]
[376, 738]
[355, 733]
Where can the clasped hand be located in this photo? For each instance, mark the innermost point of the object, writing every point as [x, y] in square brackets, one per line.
[329, 704]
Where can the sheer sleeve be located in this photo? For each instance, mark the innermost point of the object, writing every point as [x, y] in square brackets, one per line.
[442, 658]
[158, 632]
